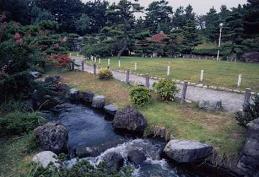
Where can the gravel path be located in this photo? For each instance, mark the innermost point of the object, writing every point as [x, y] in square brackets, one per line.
[232, 102]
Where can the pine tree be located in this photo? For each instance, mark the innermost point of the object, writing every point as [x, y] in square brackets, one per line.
[251, 19]
[212, 25]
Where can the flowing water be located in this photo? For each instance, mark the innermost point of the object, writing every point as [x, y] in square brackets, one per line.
[88, 128]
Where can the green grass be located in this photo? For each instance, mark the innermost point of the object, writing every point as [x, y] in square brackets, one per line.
[223, 74]
[183, 121]
[14, 156]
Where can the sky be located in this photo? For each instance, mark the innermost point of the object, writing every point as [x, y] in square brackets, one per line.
[199, 6]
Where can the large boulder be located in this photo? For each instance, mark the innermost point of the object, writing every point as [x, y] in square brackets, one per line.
[98, 102]
[130, 120]
[211, 105]
[184, 151]
[46, 158]
[251, 57]
[113, 160]
[52, 137]
[136, 157]
[249, 160]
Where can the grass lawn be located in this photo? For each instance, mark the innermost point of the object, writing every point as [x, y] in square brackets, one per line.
[222, 73]
[183, 121]
[14, 157]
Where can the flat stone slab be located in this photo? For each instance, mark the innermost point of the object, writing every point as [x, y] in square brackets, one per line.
[111, 109]
[184, 151]
[98, 101]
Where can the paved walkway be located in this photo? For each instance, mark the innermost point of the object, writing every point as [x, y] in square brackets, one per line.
[232, 102]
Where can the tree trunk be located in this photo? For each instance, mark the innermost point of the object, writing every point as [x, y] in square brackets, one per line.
[122, 49]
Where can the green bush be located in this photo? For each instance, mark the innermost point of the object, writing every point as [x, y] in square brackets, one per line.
[140, 95]
[105, 74]
[249, 113]
[166, 89]
[13, 105]
[19, 122]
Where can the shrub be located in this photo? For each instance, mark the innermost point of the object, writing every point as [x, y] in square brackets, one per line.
[166, 89]
[140, 95]
[105, 74]
[81, 169]
[13, 105]
[249, 113]
[18, 122]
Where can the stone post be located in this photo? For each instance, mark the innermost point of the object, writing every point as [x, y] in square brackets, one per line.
[184, 91]
[168, 70]
[127, 76]
[247, 97]
[239, 80]
[83, 66]
[94, 69]
[147, 81]
[201, 75]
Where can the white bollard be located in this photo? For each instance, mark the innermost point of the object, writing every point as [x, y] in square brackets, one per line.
[95, 59]
[109, 62]
[239, 80]
[201, 76]
[70, 54]
[168, 70]
[135, 66]
[119, 63]
[77, 54]
[92, 58]
[99, 61]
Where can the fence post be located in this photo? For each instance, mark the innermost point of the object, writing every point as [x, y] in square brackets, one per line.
[147, 81]
[119, 63]
[201, 76]
[95, 59]
[127, 76]
[185, 84]
[94, 69]
[168, 70]
[73, 64]
[83, 65]
[99, 61]
[239, 80]
[135, 66]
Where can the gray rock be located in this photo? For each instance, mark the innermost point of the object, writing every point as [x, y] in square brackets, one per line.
[110, 111]
[46, 158]
[35, 74]
[52, 137]
[211, 105]
[184, 151]
[129, 119]
[87, 97]
[98, 101]
[113, 160]
[249, 160]
[136, 157]
[74, 95]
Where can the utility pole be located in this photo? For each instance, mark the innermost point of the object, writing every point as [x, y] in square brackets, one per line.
[220, 34]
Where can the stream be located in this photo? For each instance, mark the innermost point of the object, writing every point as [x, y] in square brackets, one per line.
[88, 128]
